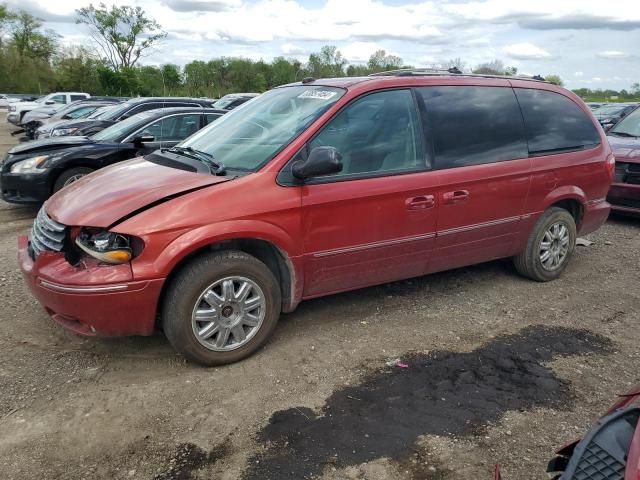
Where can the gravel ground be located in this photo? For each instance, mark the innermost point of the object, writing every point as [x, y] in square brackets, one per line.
[498, 370]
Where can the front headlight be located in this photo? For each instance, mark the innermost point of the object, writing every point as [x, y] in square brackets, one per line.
[12, 108]
[30, 165]
[61, 132]
[108, 247]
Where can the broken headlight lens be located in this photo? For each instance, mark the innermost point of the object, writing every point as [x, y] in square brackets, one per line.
[108, 247]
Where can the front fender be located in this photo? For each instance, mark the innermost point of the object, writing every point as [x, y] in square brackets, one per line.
[200, 237]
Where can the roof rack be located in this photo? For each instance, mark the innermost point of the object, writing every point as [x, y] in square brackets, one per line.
[410, 72]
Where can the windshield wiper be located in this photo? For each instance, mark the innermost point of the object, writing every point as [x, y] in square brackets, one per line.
[217, 168]
[623, 134]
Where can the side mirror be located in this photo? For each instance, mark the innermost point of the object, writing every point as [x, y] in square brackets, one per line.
[141, 140]
[49, 102]
[321, 161]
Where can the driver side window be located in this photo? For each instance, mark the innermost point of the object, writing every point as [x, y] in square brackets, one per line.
[377, 133]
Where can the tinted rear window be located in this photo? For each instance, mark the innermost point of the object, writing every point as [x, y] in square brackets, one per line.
[473, 125]
[554, 123]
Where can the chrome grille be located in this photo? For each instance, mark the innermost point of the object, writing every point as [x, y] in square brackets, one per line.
[46, 234]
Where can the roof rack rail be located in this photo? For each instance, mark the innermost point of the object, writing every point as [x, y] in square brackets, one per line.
[409, 72]
[401, 72]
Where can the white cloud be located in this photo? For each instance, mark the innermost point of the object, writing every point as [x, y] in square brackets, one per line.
[545, 36]
[526, 51]
[579, 74]
[614, 54]
[291, 49]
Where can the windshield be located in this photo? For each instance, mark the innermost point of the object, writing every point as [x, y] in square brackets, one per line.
[116, 112]
[628, 126]
[116, 132]
[100, 112]
[250, 136]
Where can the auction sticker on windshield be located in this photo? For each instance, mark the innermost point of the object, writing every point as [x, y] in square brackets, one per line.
[318, 94]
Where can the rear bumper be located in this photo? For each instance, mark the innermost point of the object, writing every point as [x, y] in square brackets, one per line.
[595, 215]
[101, 301]
[625, 198]
[25, 188]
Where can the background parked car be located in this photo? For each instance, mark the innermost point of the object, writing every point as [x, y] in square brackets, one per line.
[233, 100]
[34, 170]
[52, 123]
[32, 120]
[609, 115]
[595, 105]
[18, 109]
[123, 111]
[624, 138]
[609, 451]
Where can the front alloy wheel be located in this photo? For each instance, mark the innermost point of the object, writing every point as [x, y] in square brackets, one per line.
[228, 313]
[221, 307]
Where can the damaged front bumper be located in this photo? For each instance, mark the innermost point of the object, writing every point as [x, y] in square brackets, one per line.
[91, 299]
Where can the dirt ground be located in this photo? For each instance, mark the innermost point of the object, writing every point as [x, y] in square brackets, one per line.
[498, 370]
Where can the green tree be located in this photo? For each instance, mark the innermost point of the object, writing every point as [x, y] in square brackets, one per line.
[76, 70]
[555, 79]
[380, 61]
[172, 79]
[495, 67]
[122, 34]
[27, 38]
[329, 62]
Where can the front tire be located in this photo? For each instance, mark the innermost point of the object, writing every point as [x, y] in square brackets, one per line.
[221, 307]
[550, 246]
[69, 176]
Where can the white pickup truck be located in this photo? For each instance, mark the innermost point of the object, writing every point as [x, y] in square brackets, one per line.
[18, 109]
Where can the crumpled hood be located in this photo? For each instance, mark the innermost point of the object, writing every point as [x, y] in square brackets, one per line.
[626, 149]
[49, 144]
[110, 194]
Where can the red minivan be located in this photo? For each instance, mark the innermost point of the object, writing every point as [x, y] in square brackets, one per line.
[316, 188]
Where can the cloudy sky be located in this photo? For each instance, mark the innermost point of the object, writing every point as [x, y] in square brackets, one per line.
[588, 43]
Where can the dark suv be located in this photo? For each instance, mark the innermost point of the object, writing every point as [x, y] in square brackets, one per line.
[125, 110]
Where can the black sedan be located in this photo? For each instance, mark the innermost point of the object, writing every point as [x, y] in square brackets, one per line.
[33, 171]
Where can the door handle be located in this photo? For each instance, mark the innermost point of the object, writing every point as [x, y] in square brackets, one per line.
[455, 197]
[420, 203]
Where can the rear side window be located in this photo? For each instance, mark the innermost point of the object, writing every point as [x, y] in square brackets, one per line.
[554, 123]
[77, 97]
[473, 125]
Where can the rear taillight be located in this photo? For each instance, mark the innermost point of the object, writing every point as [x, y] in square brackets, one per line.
[611, 166]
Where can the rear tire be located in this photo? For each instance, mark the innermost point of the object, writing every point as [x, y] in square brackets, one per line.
[550, 246]
[207, 317]
[69, 176]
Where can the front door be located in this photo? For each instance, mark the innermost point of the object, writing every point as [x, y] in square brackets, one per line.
[375, 221]
[480, 151]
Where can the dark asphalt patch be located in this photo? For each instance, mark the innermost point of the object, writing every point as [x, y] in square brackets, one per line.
[443, 393]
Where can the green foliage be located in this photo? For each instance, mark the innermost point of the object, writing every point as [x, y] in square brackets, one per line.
[495, 67]
[122, 34]
[555, 79]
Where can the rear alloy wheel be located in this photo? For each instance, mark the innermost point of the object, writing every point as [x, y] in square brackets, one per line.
[550, 246]
[69, 176]
[221, 307]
